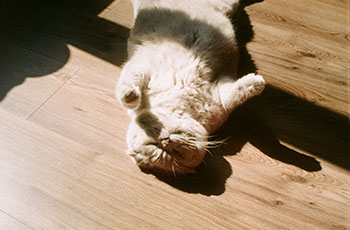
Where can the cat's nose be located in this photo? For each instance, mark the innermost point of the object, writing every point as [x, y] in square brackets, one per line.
[170, 146]
[165, 142]
[164, 138]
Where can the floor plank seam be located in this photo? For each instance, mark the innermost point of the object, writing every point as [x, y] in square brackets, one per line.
[15, 219]
[47, 99]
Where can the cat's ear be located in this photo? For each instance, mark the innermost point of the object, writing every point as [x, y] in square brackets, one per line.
[232, 93]
[131, 83]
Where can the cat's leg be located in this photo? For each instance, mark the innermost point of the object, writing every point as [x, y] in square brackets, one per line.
[130, 85]
[136, 6]
[232, 93]
[227, 7]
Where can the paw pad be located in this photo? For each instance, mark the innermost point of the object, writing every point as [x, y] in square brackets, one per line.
[129, 97]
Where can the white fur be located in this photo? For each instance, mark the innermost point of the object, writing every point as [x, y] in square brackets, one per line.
[179, 82]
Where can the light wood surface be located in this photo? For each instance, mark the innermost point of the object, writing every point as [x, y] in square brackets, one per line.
[62, 132]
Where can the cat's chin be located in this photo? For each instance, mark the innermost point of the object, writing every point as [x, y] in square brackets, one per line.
[155, 159]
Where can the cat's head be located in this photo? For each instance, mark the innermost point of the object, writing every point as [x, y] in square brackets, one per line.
[168, 142]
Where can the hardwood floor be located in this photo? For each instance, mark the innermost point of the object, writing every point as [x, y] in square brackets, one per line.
[62, 133]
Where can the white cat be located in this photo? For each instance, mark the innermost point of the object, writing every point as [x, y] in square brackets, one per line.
[179, 83]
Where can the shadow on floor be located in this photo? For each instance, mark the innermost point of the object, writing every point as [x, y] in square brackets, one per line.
[35, 35]
[264, 121]
[34, 40]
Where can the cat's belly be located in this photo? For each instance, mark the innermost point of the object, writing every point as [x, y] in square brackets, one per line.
[209, 36]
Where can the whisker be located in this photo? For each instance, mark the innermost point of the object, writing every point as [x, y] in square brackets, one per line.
[143, 160]
[180, 169]
[209, 152]
[158, 157]
[173, 168]
[175, 162]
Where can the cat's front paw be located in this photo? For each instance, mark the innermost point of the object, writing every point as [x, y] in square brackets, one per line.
[130, 97]
[255, 83]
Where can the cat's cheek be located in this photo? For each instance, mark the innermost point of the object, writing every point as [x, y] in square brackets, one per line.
[130, 153]
[135, 158]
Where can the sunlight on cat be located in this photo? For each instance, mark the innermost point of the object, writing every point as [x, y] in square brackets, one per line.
[180, 82]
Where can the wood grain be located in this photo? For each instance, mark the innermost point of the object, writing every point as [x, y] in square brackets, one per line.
[313, 61]
[7, 222]
[62, 133]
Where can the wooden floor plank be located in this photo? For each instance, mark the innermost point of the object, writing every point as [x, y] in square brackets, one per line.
[89, 106]
[120, 14]
[62, 132]
[30, 77]
[7, 222]
[306, 48]
[84, 131]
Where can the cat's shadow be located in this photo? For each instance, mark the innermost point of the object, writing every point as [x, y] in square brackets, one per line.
[243, 126]
[263, 121]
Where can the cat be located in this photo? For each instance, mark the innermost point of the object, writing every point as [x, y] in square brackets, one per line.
[179, 83]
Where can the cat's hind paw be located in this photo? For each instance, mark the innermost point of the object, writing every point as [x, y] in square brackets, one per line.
[129, 97]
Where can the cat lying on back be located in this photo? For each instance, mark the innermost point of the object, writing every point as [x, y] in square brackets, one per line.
[180, 83]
